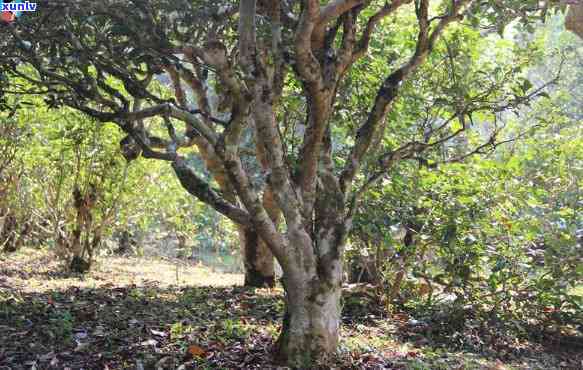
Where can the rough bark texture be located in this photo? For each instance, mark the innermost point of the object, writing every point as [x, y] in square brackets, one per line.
[311, 323]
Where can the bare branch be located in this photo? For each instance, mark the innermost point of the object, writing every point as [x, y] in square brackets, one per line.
[348, 43]
[203, 191]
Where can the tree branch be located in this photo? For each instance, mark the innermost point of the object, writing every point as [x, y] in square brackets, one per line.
[306, 63]
[373, 21]
[247, 36]
[391, 86]
[203, 191]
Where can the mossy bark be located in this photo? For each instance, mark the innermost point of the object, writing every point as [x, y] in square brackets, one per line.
[311, 324]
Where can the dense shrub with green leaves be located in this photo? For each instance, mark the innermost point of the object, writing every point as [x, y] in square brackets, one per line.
[65, 184]
[499, 234]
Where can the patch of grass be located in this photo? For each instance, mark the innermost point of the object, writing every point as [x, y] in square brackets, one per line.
[578, 291]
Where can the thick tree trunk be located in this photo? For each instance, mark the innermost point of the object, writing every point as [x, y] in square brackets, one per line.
[313, 287]
[311, 324]
[257, 258]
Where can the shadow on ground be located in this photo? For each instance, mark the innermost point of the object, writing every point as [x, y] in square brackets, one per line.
[116, 325]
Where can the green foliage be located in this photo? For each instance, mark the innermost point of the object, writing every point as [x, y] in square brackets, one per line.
[497, 236]
[60, 325]
[52, 152]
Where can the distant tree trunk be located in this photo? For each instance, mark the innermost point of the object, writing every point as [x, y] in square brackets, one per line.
[124, 244]
[404, 262]
[9, 238]
[574, 19]
[79, 265]
[82, 250]
[257, 259]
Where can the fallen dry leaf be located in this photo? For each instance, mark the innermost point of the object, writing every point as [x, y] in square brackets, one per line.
[196, 351]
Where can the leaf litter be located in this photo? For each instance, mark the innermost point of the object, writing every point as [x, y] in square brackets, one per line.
[104, 320]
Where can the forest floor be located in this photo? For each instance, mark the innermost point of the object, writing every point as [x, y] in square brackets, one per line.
[151, 313]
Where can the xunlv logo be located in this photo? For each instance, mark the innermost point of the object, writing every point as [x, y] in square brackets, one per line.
[17, 7]
[9, 11]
